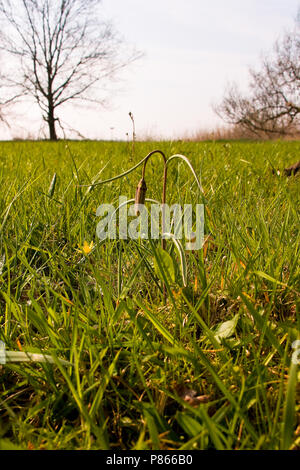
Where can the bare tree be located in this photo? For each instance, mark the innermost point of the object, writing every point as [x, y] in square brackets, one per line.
[63, 51]
[272, 106]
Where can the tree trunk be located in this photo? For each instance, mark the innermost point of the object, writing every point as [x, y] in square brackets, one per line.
[51, 125]
[51, 122]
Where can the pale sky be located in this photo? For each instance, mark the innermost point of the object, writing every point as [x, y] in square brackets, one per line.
[192, 50]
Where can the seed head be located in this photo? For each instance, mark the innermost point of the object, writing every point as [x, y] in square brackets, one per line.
[140, 195]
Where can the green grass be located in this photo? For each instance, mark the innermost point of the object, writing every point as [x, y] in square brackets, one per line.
[227, 336]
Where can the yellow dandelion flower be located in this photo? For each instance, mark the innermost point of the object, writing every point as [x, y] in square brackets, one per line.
[87, 248]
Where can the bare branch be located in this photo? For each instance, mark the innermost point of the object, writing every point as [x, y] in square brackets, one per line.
[273, 104]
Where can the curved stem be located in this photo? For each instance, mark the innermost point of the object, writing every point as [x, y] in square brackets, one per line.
[163, 242]
[145, 160]
[186, 160]
[108, 180]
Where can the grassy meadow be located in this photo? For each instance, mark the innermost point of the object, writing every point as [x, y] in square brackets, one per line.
[202, 366]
